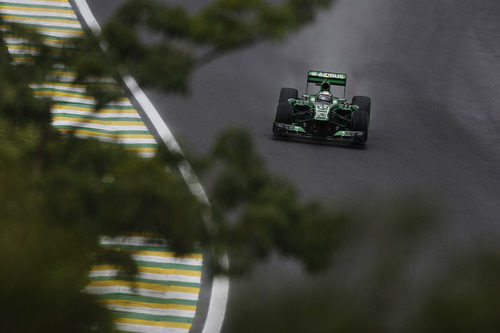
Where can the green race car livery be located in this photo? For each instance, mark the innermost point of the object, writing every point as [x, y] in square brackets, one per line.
[322, 116]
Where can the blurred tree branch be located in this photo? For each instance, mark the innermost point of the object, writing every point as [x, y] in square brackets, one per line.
[59, 193]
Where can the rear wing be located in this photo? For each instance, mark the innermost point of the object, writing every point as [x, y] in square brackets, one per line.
[337, 79]
[334, 79]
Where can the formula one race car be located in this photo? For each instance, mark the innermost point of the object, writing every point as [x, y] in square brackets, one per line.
[322, 116]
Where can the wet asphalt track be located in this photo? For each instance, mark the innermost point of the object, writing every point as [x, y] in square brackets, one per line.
[432, 68]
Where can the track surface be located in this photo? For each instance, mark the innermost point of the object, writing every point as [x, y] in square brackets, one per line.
[432, 68]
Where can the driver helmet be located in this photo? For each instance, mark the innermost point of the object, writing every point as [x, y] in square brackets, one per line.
[325, 96]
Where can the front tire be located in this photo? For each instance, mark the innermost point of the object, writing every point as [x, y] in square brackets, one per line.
[363, 102]
[283, 115]
[359, 122]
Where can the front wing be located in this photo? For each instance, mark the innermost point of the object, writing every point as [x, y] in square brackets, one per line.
[287, 130]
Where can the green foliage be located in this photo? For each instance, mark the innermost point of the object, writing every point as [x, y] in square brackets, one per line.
[44, 262]
[257, 213]
[43, 271]
[379, 283]
[466, 298]
[185, 40]
[59, 193]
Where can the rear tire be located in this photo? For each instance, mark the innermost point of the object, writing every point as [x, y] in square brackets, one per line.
[363, 102]
[287, 93]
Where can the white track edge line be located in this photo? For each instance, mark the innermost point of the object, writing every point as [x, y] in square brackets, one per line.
[220, 284]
